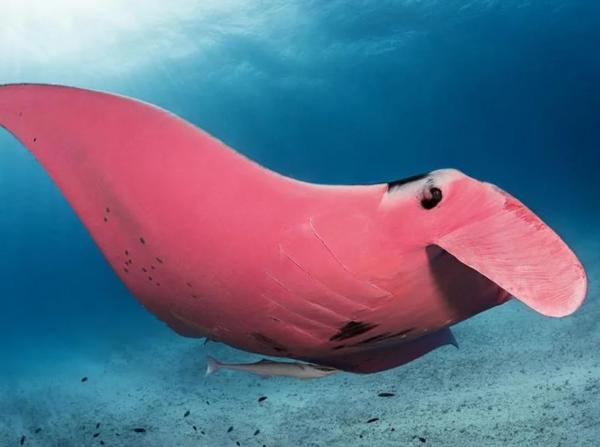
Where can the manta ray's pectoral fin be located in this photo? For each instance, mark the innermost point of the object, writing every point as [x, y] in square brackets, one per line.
[386, 357]
[513, 248]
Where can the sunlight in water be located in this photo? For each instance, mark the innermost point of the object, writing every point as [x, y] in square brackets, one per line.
[109, 35]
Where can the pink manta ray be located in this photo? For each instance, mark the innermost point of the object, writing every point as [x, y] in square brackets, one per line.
[360, 278]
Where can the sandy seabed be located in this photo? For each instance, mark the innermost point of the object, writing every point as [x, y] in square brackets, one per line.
[518, 379]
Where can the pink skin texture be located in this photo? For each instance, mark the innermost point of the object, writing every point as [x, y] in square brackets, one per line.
[360, 278]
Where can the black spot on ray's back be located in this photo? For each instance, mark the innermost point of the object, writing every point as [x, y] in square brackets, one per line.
[404, 181]
[352, 329]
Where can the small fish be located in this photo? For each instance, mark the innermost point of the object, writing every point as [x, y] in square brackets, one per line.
[370, 421]
[187, 413]
[386, 394]
[262, 398]
[230, 429]
[139, 430]
[268, 368]
[84, 379]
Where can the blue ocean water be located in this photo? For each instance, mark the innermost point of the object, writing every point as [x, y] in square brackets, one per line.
[330, 92]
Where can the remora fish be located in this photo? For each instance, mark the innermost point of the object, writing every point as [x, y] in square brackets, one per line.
[268, 368]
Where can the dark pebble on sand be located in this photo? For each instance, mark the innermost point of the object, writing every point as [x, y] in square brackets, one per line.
[23, 439]
[97, 425]
[139, 430]
[96, 435]
[386, 394]
[256, 432]
[372, 420]
[37, 430]
[194, 427]
[84, 379]
[230, 429]
[262, 398]
[420, 438]
[187, 413]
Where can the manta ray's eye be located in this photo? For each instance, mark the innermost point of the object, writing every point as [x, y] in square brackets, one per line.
[431, 198]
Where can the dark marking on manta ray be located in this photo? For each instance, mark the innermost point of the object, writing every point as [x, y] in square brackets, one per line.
[194, 296]
[384, 336]
[106, 219]
[149, 278]
[157, 284]
[142, 240]
[126, 252]
[152, 267]
[189, 284]
[404, 181]
[404, 332]
[374, 339]
[269, 342]
[125, 269]
[352, 329]
[335, 348]
[144, 270]
[160, 261]
[34, 140]
[107, 209]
